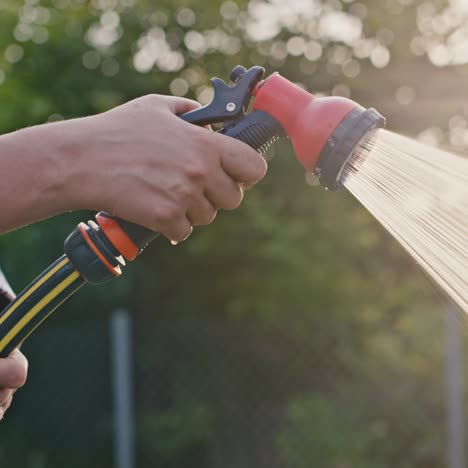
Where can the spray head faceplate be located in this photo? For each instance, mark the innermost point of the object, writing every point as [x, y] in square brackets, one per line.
[342, 143]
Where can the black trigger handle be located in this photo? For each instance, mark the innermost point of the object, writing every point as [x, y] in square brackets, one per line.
[229, 102]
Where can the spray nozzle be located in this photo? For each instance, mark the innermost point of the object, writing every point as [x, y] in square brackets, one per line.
[323, 130]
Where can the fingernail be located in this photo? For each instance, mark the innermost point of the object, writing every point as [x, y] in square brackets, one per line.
[2, 412]
[173, 242]
[189, 234]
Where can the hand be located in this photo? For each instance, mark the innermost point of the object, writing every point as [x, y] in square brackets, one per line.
[144, 164]
[13, 373]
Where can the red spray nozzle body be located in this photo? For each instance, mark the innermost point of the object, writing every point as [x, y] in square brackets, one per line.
[309, 121]
[323, 130]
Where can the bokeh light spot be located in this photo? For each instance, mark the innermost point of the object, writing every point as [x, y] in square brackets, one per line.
[439, 55]
[14, 53]
[110, 67]
[279, 50]
[205, 94]
[229, 10]
[313, 50]
[142, 61]
[359, 10]
[341, 90]
[296, 45]
[40, 35]
[351, 68]
[110, 19]
[179, 87]
[380, 56]
[23, 32]
[340, 26]
[195, 42]
[91, 59]
[186, 17]
[405, 95]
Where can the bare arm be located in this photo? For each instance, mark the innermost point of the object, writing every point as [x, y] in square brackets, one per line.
[138, 161]
[31, 187]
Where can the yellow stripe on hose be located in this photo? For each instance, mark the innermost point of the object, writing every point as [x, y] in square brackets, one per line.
[47, 316]
[33, 289]
[37, 308]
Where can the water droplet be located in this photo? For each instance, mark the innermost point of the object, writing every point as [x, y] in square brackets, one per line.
[312, 179]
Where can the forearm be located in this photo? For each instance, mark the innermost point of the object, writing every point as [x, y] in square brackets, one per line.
[38, 167]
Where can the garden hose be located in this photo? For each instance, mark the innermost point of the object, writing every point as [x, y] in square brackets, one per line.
[35, 303]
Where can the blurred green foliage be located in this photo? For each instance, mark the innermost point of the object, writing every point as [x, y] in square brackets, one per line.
[293, 332]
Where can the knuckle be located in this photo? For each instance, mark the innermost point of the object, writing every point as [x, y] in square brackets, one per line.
[148, 103]
[196, 171]
[184, 191]
[166, 215]
[151, 99]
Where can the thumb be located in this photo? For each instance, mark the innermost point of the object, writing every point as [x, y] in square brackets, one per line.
[180, 105]
[13, 370]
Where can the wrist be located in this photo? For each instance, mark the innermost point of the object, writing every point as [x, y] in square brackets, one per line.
[71, 173]
[31, 186]
[75, 143]
[54, 150]
[48, 171]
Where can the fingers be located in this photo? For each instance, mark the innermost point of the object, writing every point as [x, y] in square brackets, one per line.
[180, 232]
[202, 211]
[172, 222]
[13, 370]
[223, 192]
[241, 162]
[233, 166]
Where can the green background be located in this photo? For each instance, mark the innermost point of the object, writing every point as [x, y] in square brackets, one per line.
[293, 332]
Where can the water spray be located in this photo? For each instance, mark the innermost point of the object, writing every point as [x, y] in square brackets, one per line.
[325, 133]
